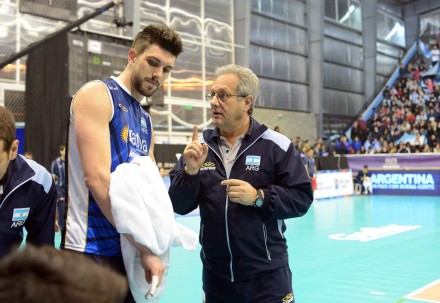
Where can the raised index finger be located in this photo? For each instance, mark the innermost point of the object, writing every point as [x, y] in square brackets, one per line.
[195, 132]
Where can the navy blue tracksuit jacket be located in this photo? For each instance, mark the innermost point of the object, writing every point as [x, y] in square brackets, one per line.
[28, 200]
[241, 242]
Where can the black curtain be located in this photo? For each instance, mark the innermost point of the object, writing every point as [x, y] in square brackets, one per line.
[47, 100]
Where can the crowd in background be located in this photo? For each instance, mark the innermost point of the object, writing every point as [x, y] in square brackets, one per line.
[407, 121]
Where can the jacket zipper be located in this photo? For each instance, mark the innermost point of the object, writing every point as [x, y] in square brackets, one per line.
[226, 207]
[226, 220]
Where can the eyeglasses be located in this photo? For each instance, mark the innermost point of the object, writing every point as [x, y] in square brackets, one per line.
[221, 96]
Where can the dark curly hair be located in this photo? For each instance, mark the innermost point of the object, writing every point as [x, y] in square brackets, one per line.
[161, 35]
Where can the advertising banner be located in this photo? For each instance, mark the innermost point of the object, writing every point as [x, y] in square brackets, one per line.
[333, 183]
[394, 161]
[406, 182]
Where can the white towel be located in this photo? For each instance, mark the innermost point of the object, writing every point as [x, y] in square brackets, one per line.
[142, 208]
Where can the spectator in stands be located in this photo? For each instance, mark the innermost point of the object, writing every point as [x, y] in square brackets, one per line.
[364, 179]
[355, 131]
[405, 127]
[431, 135]
[386, 135]
[425, 149]
[311, 165]
[421, 116]
[376, 146]
[342, 146]
[395, 132]
[435, 55]
[303, 155]
[57, 168]
[416, 73]
[418, 142]
[356, 144]
[323, 150]
[362, 125]
[48, 275]
[384, 149]
[404, 148]
[409, 116]
[422, 127]
[414, 129]
[411, 86]
[316, 149]
[392, 149]
[386, 93]
[432, 115]
[402, 71]
[429, 85]
[436, 149]
[298, 143]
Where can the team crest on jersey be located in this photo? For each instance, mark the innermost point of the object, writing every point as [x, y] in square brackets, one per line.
[122, 107]
[144, 128]
[208, 166]
[253, 163]
[19, 216]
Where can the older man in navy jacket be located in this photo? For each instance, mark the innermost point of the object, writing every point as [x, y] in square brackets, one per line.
[246, 179]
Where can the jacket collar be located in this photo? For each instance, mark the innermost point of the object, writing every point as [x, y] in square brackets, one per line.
[255, 130]
[18, 172]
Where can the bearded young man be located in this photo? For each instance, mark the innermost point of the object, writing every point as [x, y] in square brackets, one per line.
[108, 127]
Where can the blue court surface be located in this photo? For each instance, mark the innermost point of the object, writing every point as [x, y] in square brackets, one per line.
[360, 249]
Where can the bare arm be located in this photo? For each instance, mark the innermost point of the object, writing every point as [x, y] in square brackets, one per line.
[92, 112]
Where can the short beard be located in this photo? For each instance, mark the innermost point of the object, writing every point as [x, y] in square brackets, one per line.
[137, 83]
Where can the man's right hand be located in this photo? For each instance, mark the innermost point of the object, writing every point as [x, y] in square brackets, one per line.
[154, 269]
[195, 153]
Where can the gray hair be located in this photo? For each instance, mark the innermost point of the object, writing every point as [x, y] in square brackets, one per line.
[248, 83]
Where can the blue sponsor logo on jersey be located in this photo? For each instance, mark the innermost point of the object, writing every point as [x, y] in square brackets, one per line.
[138, 141]
[253, 160]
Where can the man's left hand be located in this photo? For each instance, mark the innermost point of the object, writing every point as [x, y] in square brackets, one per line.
[240, 191]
